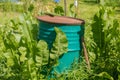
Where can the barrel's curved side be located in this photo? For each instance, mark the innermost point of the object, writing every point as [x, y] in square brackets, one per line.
[73, 33]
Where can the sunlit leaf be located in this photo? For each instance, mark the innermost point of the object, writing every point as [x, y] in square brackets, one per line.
[9, 57]
[105, 75]
[43, 52]
[22, 51]
[60, 45]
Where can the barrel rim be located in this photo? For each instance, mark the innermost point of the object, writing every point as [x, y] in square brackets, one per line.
[81, 22]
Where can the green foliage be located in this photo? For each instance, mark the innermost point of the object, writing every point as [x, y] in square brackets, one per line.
[102, 76]
[105, 30]
[114, 3]
[20, 49]
[31, 7]
[59, 10]
[22, 6]
[28, 5]
[60, 45]
[23, 56]
[8, 6]
[72, 12]
[79, 71]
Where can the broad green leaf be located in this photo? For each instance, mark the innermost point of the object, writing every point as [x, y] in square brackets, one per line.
[9, 57]
[10, 41]
[97, 29]
[30, 64]
[23, 53]
[43, 52]
[105, 75]
[60, 45]
[92, 56]
[72, 10]
[39, 60]
[106, 33]
[17, 37]
[10, 62]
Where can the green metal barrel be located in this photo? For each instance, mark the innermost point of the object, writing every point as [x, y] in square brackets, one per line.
[72, 27]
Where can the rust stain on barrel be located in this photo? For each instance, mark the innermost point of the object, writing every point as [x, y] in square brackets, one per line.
[61, 20]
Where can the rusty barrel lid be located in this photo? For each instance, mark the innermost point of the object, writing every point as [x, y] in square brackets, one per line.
[61, 20]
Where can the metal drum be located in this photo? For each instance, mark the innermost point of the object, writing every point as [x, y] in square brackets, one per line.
[72, 27]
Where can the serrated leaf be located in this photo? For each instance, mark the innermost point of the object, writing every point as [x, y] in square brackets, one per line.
[9, 57]
[53, 56]
[43, 52]
[97, 29]
[23, 53]
[60, 45]
[38, 60]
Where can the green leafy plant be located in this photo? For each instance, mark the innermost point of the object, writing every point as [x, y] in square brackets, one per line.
[59, 45]
[24, 56]
[59, 10]
[105, 30]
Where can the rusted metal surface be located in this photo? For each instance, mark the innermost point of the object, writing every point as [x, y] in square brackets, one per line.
[61, 20]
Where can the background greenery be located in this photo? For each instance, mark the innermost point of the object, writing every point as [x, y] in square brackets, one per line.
[19, 57]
